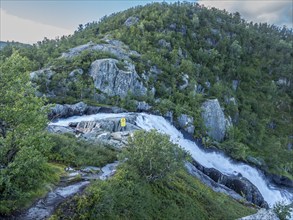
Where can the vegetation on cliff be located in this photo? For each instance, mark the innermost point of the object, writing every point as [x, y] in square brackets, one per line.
[247, 66]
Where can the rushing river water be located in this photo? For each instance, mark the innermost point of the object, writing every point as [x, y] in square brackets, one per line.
[224, 164]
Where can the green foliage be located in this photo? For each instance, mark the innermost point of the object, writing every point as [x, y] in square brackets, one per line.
[69, 150]
[24, 145]
[131, 195]
[282, 210]
[126, 196]
[153, 155]
[209, 45]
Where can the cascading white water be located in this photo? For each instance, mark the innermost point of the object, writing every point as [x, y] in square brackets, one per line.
[208, 159]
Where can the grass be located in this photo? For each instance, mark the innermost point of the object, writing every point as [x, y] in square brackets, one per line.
[28, 198]
[125, 196]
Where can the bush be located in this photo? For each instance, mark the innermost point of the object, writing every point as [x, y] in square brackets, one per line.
[71, 151]
[282, 210]
[153, 155]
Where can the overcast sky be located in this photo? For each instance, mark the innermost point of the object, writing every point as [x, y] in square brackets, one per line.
[31, 21]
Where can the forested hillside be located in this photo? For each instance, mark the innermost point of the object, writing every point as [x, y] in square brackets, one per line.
[183, 54]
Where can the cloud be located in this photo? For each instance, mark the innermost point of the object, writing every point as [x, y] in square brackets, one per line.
[27, 31]
[269, 11]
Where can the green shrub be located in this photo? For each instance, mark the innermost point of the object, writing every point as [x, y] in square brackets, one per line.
[153, 155]
[282, 210]
[72, 151]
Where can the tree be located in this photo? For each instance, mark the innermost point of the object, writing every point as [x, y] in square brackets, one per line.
[23, 146]
[153, 155]
[21, 110]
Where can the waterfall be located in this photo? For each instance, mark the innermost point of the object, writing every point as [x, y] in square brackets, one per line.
[224, 164]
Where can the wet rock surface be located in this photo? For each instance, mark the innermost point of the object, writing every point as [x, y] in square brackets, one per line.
[185, 122]
[109, 131]
[45, 207]
[237, 183]
[262, 214]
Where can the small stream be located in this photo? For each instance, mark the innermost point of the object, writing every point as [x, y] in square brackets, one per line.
[46, 206]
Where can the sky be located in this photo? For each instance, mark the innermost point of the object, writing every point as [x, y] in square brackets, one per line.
[30, 21]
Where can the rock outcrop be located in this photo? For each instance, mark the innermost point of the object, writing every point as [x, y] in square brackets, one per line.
[108, 131]
[43, 74]
[262, 214]
[163, 43]
[65, 111]
[185, 78]
[114, 81]
[192, 170]
[281, 180]
[239, 184]
[115, 47]
[131, 21]
[142, 106]
[214, 119]
[185, 122]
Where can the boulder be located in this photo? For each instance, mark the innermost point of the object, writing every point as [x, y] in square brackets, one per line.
[131, 21]
[44, 74]
[143, 107]
[235, 84]
[186, 123]
[185, 78]
[163, 43]
[154, 70]
[214, 119]
[262, 214]
[113, 81]
[169, 116]
[75, 73]
[281, 180]
[283, 81]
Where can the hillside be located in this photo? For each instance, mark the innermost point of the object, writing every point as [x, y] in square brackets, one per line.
[222, 80]
[189, 54]
[13, 44]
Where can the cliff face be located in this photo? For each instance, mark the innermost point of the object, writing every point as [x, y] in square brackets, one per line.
[113, 81]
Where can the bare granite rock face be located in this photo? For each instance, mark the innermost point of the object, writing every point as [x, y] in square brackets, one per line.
[131, 21]
[115, 47]
[43, 74]
[214, 119]
[262, 214]
[186, 123]
[80, 108]
[113, 81]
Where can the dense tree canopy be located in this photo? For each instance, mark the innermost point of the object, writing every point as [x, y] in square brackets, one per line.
[23, 145]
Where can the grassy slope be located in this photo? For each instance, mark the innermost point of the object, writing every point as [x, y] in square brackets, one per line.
[125, 197]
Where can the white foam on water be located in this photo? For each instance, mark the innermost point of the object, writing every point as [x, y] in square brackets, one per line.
[208, 159]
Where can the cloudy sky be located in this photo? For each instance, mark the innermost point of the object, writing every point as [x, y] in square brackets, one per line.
[31, 21]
